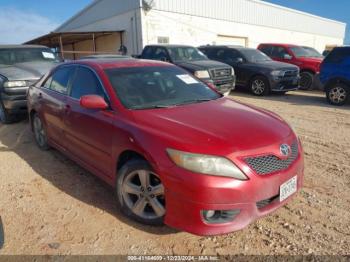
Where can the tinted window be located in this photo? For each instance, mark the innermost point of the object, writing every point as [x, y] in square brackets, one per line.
[60, 79]
[227, 55]
[157, 87]
[266, 49]
[186, 54]
[279, 52]
[86, 83]
[47, 83]
[337, 55]
[147, 53]
[253, 55]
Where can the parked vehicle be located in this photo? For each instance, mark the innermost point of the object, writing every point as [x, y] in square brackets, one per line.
[20, 66]
[313, 52]
[255, 70]
[175, 150]
[297, 55]
[195, 62]
[335, 75]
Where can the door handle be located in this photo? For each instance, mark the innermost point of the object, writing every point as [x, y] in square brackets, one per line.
[67, 109]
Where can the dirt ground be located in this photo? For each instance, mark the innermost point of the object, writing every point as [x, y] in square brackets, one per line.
[49, 205]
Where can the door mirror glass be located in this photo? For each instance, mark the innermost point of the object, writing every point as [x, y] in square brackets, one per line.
[287, 57]
[93, 102]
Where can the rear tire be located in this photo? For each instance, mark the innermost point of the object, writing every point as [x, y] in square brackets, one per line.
[338, 94]
[5, 117]
[40, 133]
[259, 86]
[140, 193]
[306, 81]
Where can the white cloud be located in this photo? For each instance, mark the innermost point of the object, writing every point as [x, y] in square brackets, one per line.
[18, 26]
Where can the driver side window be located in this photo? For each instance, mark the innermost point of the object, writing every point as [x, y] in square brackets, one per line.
[86, 83]
[279, 52]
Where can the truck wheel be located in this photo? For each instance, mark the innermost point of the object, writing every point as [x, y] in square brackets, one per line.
[140, 193]
[338, 94]
[306, 81]
[259, 86]
[5, 117]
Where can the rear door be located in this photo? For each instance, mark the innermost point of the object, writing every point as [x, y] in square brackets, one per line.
[89, 133]
[52, 100]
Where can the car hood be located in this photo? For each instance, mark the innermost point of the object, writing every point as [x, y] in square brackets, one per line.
[274, 65]
[200, 64]
[220, 126]
[26, 71]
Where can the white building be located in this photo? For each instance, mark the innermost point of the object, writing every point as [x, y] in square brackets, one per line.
[105, 25]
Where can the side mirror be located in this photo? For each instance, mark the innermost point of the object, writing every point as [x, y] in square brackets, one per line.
[93, 102]
[287, 57]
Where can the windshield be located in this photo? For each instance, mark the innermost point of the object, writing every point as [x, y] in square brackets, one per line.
[253, 55]
[158, 87]
[10, 57]
[313, 52]
[300, 52]
[186, 54]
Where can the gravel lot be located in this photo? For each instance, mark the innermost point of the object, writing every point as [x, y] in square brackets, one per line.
[49, 205]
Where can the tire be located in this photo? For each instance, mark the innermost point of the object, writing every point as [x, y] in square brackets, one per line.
[338, 94]
[140, 193]
[40, 134]
[306, 81]
[259, 86]
[5, 117]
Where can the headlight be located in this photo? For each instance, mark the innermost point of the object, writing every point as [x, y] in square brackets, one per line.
[277, 73]
[233, 72]
[202, 74]
[15, 84]
[206, 164]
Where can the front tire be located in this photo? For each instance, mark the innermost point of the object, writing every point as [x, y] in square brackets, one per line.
[259, 86]
[338, 94]
[140, 193]
[306, 81]
[40, 133]
[5, 117]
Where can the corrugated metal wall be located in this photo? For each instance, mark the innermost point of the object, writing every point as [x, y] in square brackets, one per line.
[254, 12]
[99, 10]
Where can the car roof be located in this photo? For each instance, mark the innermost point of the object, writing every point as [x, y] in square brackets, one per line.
[279, 44]
[167, 45]
[106, 56]
[118, 63]
[21, 46]
[237, 47]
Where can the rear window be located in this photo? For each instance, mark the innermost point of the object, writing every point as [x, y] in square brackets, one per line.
[337, 55]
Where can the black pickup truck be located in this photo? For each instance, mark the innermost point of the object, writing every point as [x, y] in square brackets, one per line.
[195, 62]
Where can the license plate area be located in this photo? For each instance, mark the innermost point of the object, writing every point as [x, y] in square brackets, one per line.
[288, 188]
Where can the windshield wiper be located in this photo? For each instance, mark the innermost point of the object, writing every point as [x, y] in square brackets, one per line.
[150, 107]
[193, 101]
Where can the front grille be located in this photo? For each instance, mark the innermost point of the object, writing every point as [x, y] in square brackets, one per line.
[264, 165]
[221, 73]
[291, 73]
[264, 203]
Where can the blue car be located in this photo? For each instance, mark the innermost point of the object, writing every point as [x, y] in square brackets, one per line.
[335, 75]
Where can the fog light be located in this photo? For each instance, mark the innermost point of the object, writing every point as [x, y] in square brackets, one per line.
[219, 216]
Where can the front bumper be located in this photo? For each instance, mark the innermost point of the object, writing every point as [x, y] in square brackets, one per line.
[285, 84]
[188, 196]
[15, 99]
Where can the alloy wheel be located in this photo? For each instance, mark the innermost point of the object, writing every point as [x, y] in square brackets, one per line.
[39, 131]
[258, 86]
[337, 95]
[143, 194]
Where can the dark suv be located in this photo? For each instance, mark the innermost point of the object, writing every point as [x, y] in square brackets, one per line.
[335, 75]
[195, 62]
[20, 67]
[255, 70]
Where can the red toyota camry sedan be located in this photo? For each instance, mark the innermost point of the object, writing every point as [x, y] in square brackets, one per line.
[175, 150]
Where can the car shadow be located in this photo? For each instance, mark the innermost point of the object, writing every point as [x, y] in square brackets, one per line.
[66, 175]
[302, 98]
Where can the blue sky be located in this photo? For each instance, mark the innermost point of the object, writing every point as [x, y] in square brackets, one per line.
[22, 20]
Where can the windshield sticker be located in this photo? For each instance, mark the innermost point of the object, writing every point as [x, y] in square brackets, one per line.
[48, 55]
[187, 79]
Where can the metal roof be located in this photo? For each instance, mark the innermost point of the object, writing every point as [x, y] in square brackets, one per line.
[20, 46]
